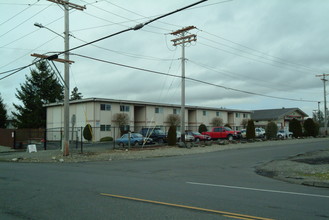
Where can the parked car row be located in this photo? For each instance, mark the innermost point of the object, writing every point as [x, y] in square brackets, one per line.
[156, 135]
[260, 133]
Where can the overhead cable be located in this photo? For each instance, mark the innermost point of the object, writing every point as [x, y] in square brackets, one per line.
[192, 79]
[135, 28]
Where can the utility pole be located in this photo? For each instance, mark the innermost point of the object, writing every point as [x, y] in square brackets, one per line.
[182, 40]
[325, 100]
[67, 5]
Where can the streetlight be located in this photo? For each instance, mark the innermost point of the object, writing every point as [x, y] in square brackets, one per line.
[39, 25]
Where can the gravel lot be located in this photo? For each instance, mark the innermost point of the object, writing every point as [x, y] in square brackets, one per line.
[309, 169]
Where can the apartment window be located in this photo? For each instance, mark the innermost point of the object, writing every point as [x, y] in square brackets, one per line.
[204, 113]
[245, 115]
[105, 107]
[105, 127]
[237, 115]
[124, 108]
[158, 110]
[218, 114]
[176, 111]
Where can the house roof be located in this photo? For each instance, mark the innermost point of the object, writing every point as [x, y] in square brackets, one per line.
[274, 114]
[141, 103]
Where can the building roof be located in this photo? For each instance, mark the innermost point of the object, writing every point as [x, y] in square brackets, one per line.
[274, 114]
[141, 103]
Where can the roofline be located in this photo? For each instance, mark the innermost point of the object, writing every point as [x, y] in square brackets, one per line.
[86, 100]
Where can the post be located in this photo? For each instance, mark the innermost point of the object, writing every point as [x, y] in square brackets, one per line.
[67, 5]
[182, 120]
[182, 40]
[325, 105]
[325, 101]
[66, 141]
[45, 139]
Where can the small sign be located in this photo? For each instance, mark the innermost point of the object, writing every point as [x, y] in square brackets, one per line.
[31, 148]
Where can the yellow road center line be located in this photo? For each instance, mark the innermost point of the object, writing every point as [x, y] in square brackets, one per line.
[229, 214]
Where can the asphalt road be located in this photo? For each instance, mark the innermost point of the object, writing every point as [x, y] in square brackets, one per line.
[217, 185]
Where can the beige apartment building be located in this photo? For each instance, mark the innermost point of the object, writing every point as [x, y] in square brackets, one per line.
[100, 114]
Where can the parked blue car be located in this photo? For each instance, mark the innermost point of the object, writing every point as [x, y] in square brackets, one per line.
[135, 140]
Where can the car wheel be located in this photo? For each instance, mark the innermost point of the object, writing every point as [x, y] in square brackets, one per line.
[160, 141]
[136, 143]
[197, 140]
[230, 138]
[121, 144]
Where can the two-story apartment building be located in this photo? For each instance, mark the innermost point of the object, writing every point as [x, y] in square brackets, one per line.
[100, 114]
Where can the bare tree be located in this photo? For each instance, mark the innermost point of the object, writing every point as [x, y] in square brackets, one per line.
[121, 120]
[173, 120]
[217, 121]
[244, 122]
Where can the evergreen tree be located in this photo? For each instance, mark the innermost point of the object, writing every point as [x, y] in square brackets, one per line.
[40, 88]
[75, 95]
[3, 114]
[271, 130]
[250, 130]
[203, 128]
[88, 132]
[311, 129]
[172, 138]
[296, 128]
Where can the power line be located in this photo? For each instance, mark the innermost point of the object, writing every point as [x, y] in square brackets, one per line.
[24, 21]
[192, 79]
[135, 28]
[29, 6]
[278, 59]
[19, 69]
[126, 53]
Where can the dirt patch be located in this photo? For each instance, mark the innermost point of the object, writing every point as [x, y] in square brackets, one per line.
[314, 161]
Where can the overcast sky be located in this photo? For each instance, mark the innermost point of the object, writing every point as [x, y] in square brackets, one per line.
[269, 47]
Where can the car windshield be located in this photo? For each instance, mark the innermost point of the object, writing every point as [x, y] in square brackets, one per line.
[159, 132]
[196, 133]
[228, 129]
[136, 135]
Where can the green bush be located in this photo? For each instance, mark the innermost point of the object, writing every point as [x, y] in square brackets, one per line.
[104, 139]
[203, 128]
[250, 130]
[271, 130]
[311, 129]
[88, 132]
[296, 128]
[172, 139]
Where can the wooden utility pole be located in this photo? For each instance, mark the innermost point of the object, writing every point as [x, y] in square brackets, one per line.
[67, 5]
[325, 101]
[182, 40]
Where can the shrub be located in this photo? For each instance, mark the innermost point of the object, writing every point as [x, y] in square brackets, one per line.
[271, 130]
[296, 128]
[250, 130]
[104, 139]
[172, 139]
[310, 128]
[87, 132]
[203, 128]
